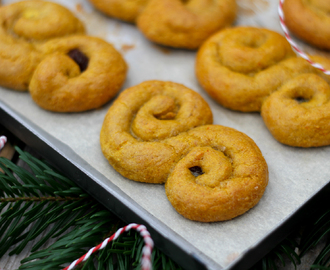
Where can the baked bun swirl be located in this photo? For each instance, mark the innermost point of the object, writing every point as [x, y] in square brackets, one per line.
[239, 67]
[140, 135]
[185, 24]
[243, 67]
[231, 179]
[78, 73]
[175, 23]
[159, 132]
[24, 25]
[298, 114]
[309, 20]
[126, 10]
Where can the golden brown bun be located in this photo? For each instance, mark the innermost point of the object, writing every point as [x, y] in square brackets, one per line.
[298, 114]
[143, 133]
[42, 49]
[23, 26]
[126, 10]
[241, 67]
[60, 84]
[234, 177]
[159, 132]
[174, 23]
[185, 25]
[309, 20]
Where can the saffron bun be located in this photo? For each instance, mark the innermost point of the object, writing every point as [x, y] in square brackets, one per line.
[173, 23]
[239, 67]
[161, 132]
[234, 178]
[78, 73]
[125, 10]
[309, 20]
[23, 26]
[143, 133]
[44, 49]
[185, 24]
[298, 114]
[249, 69]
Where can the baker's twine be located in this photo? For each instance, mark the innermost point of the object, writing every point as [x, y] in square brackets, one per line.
[146, 251]
[3, 140]
[293, 44]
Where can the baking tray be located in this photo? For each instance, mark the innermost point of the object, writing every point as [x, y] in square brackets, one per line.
[98, 186]
[298, 177]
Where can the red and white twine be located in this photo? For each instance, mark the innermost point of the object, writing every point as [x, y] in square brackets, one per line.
[146, 251]
[3, 140]
[293, 44]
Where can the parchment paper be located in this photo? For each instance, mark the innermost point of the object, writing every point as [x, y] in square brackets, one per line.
[295, 174]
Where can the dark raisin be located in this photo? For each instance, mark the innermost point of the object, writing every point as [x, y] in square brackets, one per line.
[196, 171]
[301, 99]
[80, 58]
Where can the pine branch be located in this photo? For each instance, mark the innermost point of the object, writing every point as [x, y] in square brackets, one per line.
[314, 233]
[38, 199]
[279, 255]
[27, 199]
[312, 236]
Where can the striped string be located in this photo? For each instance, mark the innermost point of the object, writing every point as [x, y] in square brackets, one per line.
[293, 44]
[146, 251]
[3, 140]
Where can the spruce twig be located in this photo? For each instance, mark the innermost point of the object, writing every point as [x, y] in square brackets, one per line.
[280, 254]
[314, 234]
[33, 201]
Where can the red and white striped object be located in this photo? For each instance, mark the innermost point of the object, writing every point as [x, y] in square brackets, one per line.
[293, 44]
[146, 251]
[3, 140]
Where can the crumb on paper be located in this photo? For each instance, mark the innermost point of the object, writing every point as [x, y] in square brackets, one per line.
[127, 47]
[79, 7]
[232, 257]
[252, 7]
[117, 28]
[162, 49]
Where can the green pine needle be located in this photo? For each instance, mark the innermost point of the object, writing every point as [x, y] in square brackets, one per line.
[43, 199]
